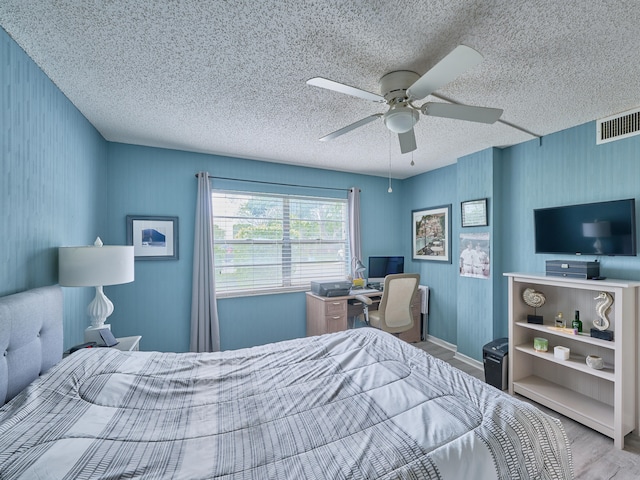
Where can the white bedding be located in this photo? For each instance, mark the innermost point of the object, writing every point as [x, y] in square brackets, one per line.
[357, 404]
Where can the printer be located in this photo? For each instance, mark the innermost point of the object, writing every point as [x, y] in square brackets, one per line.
[331, 288]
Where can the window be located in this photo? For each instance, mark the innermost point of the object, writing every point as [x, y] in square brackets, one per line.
[268, 243]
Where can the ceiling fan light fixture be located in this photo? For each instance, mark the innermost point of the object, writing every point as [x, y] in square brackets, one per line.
[401, 119]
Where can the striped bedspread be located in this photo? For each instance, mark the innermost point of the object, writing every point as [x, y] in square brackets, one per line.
[357, 404]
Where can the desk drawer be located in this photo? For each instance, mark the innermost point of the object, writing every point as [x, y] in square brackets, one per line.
[335, 308]
[325, 315]
[335, 323]
[335, 316]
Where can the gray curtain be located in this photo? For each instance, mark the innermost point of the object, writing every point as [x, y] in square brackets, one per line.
[353, 200]
[205, 331]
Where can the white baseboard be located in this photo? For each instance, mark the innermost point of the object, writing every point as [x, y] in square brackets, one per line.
[458, 356]
[442, 343]
[469, 361]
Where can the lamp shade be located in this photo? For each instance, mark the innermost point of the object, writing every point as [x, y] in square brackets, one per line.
[97, 265]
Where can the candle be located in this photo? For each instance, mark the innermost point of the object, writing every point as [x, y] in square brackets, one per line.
[540, 344]
[561, 353]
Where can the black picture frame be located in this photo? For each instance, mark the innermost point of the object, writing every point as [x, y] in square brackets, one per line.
[153, 237]
[431, 234]
[474, 213]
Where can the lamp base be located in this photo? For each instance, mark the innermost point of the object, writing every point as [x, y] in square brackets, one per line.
[99, 308]
[92, 334]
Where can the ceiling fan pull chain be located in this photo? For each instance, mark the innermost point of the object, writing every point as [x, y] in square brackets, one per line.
[389, 190]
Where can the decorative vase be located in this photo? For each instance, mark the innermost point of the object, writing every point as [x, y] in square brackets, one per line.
[595, 362]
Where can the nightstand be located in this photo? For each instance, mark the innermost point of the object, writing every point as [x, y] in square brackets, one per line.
[128, 344]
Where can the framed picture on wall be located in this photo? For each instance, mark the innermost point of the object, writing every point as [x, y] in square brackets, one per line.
[431, 234]
[153, 238]
[474, 213]
[475, 255]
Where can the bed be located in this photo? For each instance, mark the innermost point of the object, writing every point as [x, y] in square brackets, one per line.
[356, 404]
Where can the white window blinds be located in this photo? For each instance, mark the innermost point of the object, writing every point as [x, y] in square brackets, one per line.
[268, 243]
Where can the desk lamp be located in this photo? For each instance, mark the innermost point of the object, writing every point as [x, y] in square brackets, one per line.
[358, 268]
[96, 266]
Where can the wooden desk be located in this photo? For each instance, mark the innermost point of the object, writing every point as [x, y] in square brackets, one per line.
[331, 314]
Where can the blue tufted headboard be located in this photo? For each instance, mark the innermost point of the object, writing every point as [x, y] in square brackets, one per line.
[30, 337]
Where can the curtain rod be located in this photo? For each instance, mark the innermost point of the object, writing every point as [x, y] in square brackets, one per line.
[276, 183]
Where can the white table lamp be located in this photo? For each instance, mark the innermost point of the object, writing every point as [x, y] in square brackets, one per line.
[96, 266]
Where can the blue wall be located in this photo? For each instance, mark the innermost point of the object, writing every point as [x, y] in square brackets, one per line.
[567, 167]
[475, 310]
[464, 311]
[434, 189]
[63, 184]
[152, 181]
[563, 168]
[53, 189]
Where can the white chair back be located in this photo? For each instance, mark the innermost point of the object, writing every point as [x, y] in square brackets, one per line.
[395, 305]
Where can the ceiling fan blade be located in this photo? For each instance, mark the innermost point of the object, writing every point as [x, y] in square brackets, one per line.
[462, 112]
[353, 126]
[407, 141]
[461, 59]
[346, 89]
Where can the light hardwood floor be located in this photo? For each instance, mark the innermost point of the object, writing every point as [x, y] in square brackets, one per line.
[594, 456]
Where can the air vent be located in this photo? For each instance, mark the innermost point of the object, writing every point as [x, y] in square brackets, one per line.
[618, 126]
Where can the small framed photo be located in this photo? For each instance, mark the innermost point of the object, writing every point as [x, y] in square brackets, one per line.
[153, 238]
[474, 213]
[431, 235]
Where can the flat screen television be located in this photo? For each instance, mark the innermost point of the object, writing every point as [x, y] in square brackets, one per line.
[602, 228]
[380, 267]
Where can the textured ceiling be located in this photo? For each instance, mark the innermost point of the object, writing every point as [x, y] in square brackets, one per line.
[228, 77]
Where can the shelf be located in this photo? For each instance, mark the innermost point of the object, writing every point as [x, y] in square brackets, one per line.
[605, 400]
[576, 362]
[583, 409]
[570, 336]
[586, 284]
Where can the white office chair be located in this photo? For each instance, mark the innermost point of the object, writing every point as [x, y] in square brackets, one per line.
[394, 312]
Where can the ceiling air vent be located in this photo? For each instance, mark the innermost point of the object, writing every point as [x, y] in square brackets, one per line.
[618, 126]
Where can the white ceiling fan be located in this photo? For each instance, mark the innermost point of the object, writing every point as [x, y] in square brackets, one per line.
[401, 88]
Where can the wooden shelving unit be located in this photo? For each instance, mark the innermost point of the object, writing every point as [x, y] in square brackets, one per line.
[604, 400]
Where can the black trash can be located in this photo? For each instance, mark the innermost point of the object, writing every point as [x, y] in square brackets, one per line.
[494, 357]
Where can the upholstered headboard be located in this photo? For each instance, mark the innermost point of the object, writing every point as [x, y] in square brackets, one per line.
[30, 337]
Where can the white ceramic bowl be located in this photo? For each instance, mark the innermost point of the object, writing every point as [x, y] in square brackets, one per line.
[595, 362]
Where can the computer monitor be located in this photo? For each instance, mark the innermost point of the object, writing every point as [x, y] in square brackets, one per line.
[380, 267]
